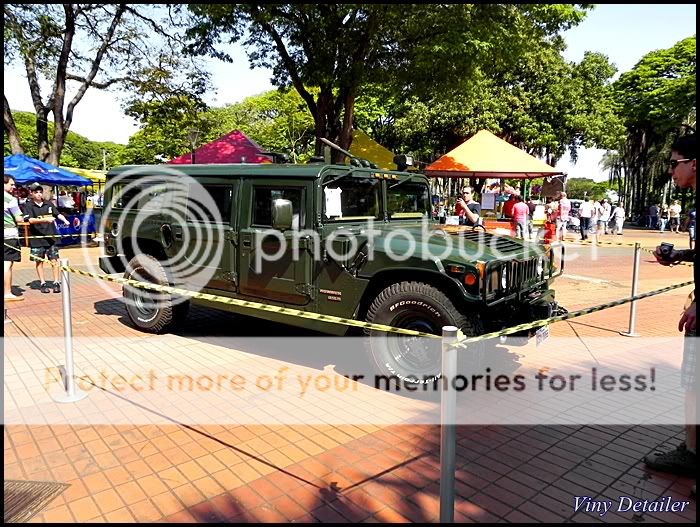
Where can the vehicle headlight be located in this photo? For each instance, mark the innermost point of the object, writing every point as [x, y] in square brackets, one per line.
[504, 278]
[540, 266]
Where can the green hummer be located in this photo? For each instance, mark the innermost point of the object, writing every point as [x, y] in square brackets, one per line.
[345, 240]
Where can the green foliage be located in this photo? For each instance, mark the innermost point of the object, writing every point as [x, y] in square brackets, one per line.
[79, 151]
[545, 106]
[656, 100]
[414, 51]
[132, 47]
[580, 188]
[278, 120]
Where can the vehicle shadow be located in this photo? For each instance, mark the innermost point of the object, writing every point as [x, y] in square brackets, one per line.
[347, 356]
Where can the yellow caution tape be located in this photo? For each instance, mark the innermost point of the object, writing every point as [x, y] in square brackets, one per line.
[462, 340]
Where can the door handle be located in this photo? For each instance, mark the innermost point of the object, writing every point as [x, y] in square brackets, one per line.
[178, 233]
[246, 243]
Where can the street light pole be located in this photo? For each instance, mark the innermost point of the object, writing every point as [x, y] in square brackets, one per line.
[193, 135]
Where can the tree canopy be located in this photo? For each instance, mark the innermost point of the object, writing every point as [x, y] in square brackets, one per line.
[413, 49]
[99, 46]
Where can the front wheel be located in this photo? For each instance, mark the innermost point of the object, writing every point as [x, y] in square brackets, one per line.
[149, 310]
[420, 307]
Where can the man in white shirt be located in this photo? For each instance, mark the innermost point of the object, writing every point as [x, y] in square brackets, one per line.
[619, 217]
[603, 213]
[674, 212]
[585, 211]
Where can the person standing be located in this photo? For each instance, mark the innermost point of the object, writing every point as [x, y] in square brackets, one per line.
[562, 219]
[653, 216]
[585, 212]
[603, 216]
[691, 228]
[521, 213]
[13, 253]
[663, 220]
[674, 214]
[618, 217]
[42, 216]
[683, 460]
[467, 209]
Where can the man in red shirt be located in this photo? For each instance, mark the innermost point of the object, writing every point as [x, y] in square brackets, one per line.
[563, 215]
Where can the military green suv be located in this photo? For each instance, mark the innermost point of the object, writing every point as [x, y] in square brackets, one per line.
[343, 240]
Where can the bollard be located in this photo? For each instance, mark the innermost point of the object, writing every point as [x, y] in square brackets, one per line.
[72, 394]
[633, 304]
[448, 427]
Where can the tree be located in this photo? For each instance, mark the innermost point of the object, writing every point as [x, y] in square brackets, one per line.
[277, 120]
[78, 152]
[655, 100]
[545, 106]
[97, 46]
[341, 47]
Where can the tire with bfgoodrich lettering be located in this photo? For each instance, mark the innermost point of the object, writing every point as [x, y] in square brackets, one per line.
[420, 307]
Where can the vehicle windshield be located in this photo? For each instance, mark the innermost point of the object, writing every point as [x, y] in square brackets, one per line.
[408, 200]
[351, 198]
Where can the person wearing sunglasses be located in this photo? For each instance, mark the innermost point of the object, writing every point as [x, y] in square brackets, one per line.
[467, 209]
[682, 460]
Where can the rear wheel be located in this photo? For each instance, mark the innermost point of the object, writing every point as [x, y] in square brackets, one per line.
[152, 311]
[420, 307]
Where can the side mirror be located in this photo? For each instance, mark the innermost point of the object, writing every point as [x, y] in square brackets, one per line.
[282, 214]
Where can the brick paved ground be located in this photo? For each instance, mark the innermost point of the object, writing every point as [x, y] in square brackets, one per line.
[349, 473]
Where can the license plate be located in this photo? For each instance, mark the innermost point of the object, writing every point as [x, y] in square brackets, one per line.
[541, 335]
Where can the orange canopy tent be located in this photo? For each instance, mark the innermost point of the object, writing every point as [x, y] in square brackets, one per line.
[487, 156]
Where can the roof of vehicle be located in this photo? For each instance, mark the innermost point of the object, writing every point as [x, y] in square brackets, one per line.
[311, 170]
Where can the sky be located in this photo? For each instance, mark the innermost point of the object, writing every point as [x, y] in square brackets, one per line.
[625, 33]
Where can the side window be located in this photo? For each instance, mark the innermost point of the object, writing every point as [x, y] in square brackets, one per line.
[262, 205]
[124, 194]
[222, 195]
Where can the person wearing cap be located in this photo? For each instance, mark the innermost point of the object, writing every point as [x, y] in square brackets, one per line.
[43, 245]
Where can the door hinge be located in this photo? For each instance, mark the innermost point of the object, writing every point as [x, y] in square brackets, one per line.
[231, 235]
[231, 277]
[306, 289]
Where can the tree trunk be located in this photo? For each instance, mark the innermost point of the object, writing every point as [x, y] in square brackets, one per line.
[11, 130]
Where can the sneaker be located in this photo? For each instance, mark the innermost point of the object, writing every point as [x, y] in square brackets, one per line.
[679, 461]
[56, 287]
[45, 288]
[10, 297]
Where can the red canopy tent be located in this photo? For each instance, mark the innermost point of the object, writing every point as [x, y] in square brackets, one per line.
[234, 147]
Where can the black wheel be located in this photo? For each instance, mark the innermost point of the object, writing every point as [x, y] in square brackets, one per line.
[421, 307]
[152, 311]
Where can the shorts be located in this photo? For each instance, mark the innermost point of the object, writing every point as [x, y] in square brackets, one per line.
[675, 221]
[688, 366]
[691, 233]
[13, 253]
[50, 252]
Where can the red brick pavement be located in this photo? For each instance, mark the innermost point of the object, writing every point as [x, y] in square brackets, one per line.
[207, 473]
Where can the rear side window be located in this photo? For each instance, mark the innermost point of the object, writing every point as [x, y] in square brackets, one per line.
[139, 196]
[221, 195]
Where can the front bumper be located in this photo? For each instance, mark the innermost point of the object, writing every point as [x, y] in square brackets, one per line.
[539, 305]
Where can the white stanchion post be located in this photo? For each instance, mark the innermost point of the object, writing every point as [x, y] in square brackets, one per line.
[72, 394]
[448, 427]
[633, 304]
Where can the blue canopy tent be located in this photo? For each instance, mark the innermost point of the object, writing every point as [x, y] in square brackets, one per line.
[25, 170]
